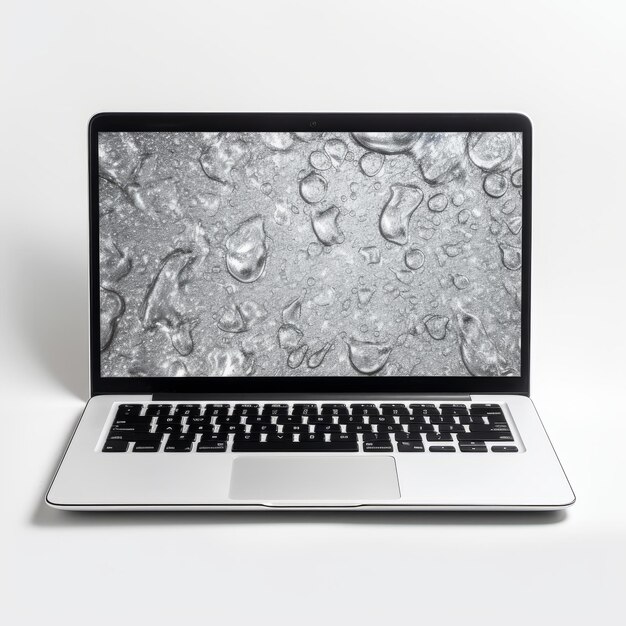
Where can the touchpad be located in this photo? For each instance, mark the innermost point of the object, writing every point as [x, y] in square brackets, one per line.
[269, 479]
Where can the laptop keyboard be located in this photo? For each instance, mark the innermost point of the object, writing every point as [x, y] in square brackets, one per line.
[431, 428]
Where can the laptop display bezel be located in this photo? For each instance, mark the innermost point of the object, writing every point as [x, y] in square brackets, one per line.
[302, 122]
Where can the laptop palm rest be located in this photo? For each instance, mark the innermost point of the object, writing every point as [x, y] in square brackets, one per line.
[284, 479]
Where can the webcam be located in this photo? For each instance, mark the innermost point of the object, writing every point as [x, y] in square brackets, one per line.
[313, 124]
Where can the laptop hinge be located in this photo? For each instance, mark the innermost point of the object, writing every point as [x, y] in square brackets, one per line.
[162, 397]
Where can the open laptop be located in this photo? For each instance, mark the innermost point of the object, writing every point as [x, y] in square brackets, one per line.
[310, 311]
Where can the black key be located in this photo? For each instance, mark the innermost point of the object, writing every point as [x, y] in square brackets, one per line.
[147, 446]
[376, 437]
[304, 409]
[421, 428]
[489, 428]
[410, 446]
[423, 406]
[389, 428]
[200, 428]
[335, 409]
[158, 410]
[133, 420]
[471, 419]
[457, 412]
[263, 428]
[297, 446]
[129, 436]
[204, 420]
[227, 419]
[382, 419]
[344, 437]
[130, 428]
[275, 409]
[320, 419]
[187, 410]
[128, 410]
[115, 446]
[350, 419]
[289, 419]
[394, 409]
[496, 419]
[451, 428]
[466, 448]
[359, 428]
[169, 419]
[377, 446]
[442, 449]
[296, 428]
[364, 409]
[485, 406]
[211, 446]
[216, 409]
[420, 409]
[279, 438]
[327, 428]
[259, 419]
[442, 419]
[504, 449]
[246, 409]
[484, 437]
[438, 437]
[231, 428]
[404, 436]
[178, 443]
[471, 443]
[312, 437]
[214, 437]
[412, 419]
[243, 437]
[169, 428]
[452, 406]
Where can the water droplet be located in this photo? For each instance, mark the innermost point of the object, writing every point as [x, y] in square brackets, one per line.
[458, 198]
[478, 352]
[414, 258]
[371, 254]
[163, 307]
[452, 249]
[436, 325]
[320, 161]
[242, 317]
[368, 357]
[511, 256]
[404, 276]
[313, 188]
[495, 185]
[246, 250]
[222, 158]
[463, 216]
[394, 219]
[325, 297]
[336, 150]
[115, 264]
[438, 202]
[177, 369]
[516, 178]
[209, 203]
[112, 307]
[296, 357]
[231, 321]
[460, 281]
[282, 215]
[306, 136]
[442, 156]
[364, 295]
[387, 143]
[316, 358]
[293, 311]
[371, 163]
[491, 151]
[289, 337]
[277, 141]
[229, 362]
[326, 226]
[266, 188]
[515, 224]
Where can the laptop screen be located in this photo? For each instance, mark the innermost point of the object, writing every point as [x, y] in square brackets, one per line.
[310, 254]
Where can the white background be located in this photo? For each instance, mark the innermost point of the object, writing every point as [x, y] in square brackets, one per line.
[562, 63]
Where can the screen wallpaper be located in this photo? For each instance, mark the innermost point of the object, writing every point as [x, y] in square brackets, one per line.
[310, 254]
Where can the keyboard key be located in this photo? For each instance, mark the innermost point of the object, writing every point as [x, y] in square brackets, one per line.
[227, 419]
[394, 409]
[377, 446]
[169, 419]
[404, 436]
[147, 446]
[168, 428]
[420, 428]
[464, 448]
[259, 419]
[178, 443]
[211, 446]
[115, 446]
[204, 420]
[389, 428]
[245, 409]
[471, 419]
[200, 428]
[243, 437]
[344, 437]
[133, 420]
[359, 428]
[350, 419]
[279, 438]
[296, 428]
[297, 446]
[312, 438]
[216, 409]
[128, 410]
[504, 449]
[231, 428]
[158, 410]
[451, 428]
[187, 410]
[484, 437]
[438, 437]
[335, 409]
[130, 428]
[320, 419]
[263, 428]
[327, 428]
[376, 437]
[275, 409]
[382, 419]
[489, 428]
[442, 449]
[410, 446]
[442, 419]
[412, 419]
[289, 419]
[304, 409]
[213, 437]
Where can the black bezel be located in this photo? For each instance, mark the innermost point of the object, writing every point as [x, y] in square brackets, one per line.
[300, 122]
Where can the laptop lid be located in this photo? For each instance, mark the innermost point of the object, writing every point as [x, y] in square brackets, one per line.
[309, 252]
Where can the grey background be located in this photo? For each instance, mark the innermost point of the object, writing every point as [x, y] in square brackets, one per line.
[559, 62]
[324, 254]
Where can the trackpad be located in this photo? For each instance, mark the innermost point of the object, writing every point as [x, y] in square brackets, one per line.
[270, 479]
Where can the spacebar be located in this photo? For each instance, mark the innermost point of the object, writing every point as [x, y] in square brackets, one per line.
[296, 446]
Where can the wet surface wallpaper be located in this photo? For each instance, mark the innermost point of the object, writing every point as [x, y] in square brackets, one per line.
[310, 254]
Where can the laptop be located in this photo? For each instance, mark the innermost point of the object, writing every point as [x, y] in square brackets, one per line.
[310, 311]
